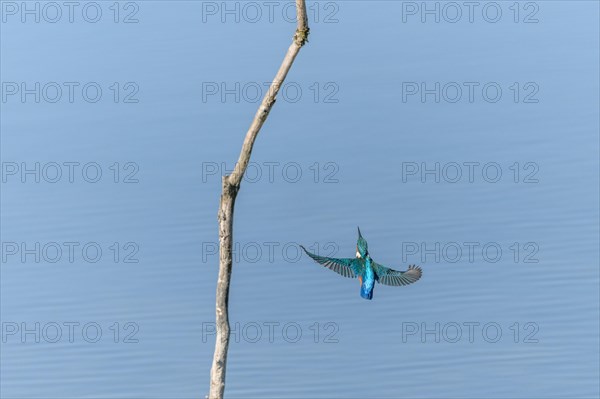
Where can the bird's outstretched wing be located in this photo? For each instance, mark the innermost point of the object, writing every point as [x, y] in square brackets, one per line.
[388, 276]
[347, 267]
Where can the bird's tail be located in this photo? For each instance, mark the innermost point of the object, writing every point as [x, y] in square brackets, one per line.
[366, 293]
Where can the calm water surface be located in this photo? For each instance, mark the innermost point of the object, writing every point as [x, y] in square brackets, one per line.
[508, 305]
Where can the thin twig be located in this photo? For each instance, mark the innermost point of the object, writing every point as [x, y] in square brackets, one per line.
[230, 188]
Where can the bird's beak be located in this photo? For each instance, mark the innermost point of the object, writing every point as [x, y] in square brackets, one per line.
[359, 235]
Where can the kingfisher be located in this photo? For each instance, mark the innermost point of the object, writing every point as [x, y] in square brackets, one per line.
[366, 269]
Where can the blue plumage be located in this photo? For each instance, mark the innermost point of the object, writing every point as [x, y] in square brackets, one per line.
[366, 269]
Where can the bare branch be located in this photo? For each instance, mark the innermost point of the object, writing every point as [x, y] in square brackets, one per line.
[230, 188]
[300, 38]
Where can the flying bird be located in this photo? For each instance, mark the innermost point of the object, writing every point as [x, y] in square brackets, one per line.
[366, 269]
